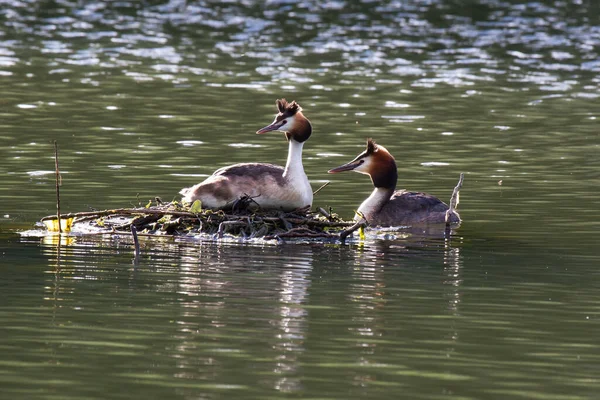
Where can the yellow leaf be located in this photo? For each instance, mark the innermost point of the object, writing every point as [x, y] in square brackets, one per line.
[196, 207]
[63, 240]
[361, 230]
[65, 224]
[149, 204]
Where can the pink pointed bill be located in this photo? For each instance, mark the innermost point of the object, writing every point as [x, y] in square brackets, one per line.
[269, 128]
[346, 167]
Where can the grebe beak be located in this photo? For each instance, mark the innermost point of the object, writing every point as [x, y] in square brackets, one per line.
[347, 167]
[269, 128]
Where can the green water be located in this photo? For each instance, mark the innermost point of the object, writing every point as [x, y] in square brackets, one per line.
[145, 98]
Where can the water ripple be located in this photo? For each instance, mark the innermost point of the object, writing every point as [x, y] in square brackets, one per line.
[392, 35]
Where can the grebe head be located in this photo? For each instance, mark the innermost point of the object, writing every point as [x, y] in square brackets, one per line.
[291, 121]
[376, 162]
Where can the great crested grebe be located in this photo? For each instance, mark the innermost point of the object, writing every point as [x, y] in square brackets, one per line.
[385, 206]
[270, 186]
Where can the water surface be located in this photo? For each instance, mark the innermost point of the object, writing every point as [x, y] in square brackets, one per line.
[145, 98]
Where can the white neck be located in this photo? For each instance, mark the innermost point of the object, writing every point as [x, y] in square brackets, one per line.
[293, 166]
[294, 174]
[374, 202]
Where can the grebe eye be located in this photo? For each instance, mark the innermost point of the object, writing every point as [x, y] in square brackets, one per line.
[362, 162]
[284, 122]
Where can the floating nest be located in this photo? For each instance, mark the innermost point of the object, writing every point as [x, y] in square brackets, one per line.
[177, 219]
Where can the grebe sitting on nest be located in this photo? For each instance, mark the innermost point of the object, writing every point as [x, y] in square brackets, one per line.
[270, 186]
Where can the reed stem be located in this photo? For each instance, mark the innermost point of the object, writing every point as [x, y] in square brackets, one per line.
[57, 172]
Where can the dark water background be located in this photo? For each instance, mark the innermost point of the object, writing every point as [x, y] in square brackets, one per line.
[147, 97]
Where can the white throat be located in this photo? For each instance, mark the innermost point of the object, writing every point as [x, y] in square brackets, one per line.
[374, 203]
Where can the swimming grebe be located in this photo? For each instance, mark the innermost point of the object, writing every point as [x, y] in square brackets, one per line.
[270, 186]
[385, 206]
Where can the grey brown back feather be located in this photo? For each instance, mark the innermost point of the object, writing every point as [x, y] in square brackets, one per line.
[252, 170]
[411, 207]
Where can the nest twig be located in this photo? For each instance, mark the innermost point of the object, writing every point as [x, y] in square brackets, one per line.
[177, 219]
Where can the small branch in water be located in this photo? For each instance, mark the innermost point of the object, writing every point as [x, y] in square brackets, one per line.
[345, 233]
[57, 172]
[225, 224]
[136, 244]
[454, 200]
[322, 186]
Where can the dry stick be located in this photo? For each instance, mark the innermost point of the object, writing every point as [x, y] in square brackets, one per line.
[454, 199]
[322, 186]
[126, 211]
[57, 186]
[324, 213]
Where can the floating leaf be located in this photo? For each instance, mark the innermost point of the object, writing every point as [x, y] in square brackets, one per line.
[65, 224]
[149, 204]
[196, 207]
